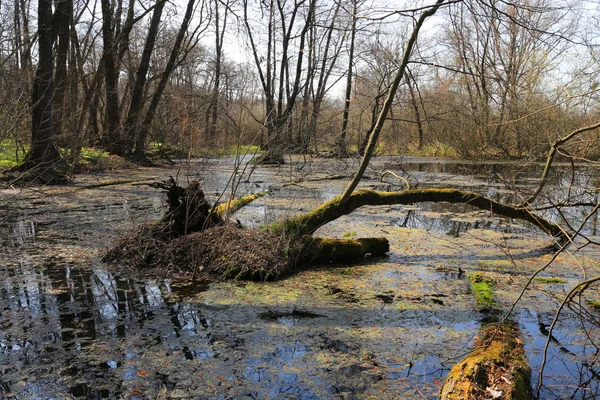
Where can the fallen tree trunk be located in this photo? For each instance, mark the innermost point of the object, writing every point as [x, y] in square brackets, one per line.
[496, 369]
[222, 211]
[193, 236]
[308, 223]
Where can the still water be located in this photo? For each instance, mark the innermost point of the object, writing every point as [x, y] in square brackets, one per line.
[391, 328]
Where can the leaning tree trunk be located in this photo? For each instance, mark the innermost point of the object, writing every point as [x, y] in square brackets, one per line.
[131, 123]
[333, 209]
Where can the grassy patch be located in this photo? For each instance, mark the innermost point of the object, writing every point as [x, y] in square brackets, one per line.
[495, 265]
[11, 153]
[434, 150]
[349, 234]
[230, 150]
[594, 304]
[482, 285]
[549, 280]
[92, 153]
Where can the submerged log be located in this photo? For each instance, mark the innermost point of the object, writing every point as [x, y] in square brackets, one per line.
[333, 209]
[496, 369]
[323, 250]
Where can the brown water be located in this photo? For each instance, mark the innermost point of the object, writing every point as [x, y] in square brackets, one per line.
[388, 328]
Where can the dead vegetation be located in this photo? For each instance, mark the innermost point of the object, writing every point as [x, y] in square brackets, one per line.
[196, 240]
[221, 252]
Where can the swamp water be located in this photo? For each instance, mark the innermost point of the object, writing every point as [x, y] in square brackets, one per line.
[387, 328]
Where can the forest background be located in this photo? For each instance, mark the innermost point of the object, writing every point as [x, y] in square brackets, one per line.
[488, 79]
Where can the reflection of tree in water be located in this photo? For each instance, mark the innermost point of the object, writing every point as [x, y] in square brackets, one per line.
[453, 219]
[71, 330]
[287, 359]
[565, 186]
[572, 370]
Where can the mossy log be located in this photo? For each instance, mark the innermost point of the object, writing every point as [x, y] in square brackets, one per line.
[497, 368]
[323, 250]
[333, 209]
[221, 211]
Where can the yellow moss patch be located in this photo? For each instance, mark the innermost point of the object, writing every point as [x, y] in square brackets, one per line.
[233, 205]
[497, 366]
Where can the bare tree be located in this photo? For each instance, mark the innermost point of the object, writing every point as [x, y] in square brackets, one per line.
[287, 23]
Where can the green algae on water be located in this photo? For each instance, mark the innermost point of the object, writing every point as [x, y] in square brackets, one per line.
[482, 285]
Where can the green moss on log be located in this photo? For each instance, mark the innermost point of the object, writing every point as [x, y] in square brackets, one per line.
[322, 250]
[331, 210]
[481, 286]
[497, 365]
[222, 210]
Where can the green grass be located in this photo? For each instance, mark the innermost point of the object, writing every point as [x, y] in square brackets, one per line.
[10, 153]
[349, 234]
[434, 150]
[88, 155]
[229, 150]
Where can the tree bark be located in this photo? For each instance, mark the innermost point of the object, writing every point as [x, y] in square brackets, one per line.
[43, 152]
[164, 79]
[131, 123]
[112, 137]
[62, 30]
[341, 147]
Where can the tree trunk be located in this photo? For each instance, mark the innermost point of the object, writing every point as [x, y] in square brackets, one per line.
[415, 105]
[135, 106]
[112, 136]
[62, 28]
[335, 208]
[140, 140]
[341, 147]
[43, 152]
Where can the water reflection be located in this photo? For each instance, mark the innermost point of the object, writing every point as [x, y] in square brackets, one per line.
[508, 183]
[572, 369]
[67, 329]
